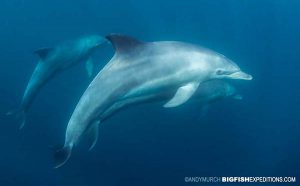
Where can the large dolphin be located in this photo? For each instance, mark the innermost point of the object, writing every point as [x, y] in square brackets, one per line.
[54, 60]
[139, 70]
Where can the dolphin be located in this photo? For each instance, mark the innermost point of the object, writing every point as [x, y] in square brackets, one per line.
[53, 61]
[140, 70]
[214, 90]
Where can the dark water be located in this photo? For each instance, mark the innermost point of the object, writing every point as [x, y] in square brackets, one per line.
[149, 145]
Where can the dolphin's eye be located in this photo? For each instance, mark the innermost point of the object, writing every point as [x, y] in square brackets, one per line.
[223, 72]
[220, 72]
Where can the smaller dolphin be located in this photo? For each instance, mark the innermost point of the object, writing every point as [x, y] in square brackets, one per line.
[53, 61]
[214, 90]
[208, 92]
[141, 70]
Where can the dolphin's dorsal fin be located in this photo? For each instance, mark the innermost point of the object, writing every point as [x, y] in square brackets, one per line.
[43, 52]
[122, 43]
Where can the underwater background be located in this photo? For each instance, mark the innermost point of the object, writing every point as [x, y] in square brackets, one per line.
[147, 144]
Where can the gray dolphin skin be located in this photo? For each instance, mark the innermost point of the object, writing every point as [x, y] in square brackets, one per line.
[141, 70]
[54, 60]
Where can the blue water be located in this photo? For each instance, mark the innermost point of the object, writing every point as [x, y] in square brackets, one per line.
[149, 145]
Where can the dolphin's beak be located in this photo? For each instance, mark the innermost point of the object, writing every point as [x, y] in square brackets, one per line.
[240, 75]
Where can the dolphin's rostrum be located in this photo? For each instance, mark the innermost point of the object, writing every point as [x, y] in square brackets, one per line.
[140, 71]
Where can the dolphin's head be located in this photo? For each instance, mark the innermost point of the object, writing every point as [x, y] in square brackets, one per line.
[230, 91]
[91, 42]
[221, 89]
[224, 68]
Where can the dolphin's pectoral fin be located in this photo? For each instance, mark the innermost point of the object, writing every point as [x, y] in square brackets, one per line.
[89, 66]
[182, 94]
[20, 116]
[43, 52]
[93, 135]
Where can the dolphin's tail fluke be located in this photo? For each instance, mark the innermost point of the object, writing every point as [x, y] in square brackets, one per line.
[20, 115]
[62, 155]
